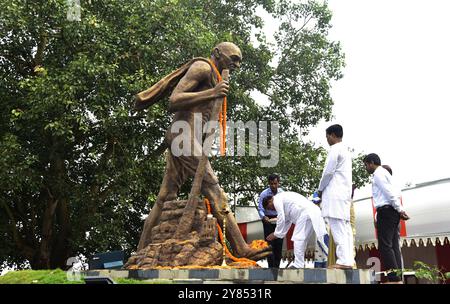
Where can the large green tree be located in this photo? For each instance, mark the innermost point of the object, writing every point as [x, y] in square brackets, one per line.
[79, 168]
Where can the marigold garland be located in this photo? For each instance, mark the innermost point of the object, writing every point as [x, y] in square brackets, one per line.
[232, 257]
[222, 114]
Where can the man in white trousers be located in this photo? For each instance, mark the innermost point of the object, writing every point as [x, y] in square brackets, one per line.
[335, 190]
[294, 208]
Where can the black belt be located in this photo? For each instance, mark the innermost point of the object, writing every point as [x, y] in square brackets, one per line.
[385, 207]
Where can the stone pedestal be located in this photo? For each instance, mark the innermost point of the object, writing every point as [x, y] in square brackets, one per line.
[199, 247]
[239, 276]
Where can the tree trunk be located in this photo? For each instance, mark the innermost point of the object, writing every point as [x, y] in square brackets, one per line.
[43, 260]
[56, 211]
[61, 248]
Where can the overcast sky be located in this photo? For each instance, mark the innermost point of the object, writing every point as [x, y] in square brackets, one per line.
[394, 97]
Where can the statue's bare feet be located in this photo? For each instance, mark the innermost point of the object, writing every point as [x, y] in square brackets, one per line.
[257, 254]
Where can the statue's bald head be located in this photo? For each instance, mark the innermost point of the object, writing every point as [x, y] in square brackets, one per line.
[229, 47]
[227, 56]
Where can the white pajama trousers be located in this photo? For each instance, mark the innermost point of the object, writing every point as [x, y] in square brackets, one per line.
[343, 237]
[301, 240]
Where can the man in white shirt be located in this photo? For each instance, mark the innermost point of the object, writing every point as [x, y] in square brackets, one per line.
[294, 208]
[335, 190]
[389, 212]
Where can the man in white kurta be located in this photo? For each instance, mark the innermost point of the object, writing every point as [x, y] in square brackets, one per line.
[335, 190]
[294, 208]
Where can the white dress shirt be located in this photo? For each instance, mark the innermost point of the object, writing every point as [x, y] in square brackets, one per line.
[290, 207]
[383, 190]
[336, 183]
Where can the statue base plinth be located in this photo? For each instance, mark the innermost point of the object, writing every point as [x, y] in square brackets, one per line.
[197, 248]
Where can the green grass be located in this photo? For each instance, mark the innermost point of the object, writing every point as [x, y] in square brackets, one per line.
[57, 276]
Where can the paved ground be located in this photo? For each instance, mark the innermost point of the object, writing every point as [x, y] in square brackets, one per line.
[260, 275]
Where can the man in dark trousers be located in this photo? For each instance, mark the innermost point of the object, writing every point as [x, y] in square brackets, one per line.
[268, 218]
[389, 212]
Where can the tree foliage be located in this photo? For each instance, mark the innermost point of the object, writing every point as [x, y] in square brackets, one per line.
[79, 169]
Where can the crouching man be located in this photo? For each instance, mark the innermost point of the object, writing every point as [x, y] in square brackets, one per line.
[294, 208]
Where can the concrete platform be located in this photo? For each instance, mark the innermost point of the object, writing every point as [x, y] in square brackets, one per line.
[244, 276]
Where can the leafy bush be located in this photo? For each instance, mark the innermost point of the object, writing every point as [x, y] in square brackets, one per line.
[426, 272]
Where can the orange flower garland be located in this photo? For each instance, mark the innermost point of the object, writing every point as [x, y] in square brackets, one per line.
[232, 257]
[259, 244]
[222, 115]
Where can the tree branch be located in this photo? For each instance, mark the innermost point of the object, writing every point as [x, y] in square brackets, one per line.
[27, 251]
[43, 39]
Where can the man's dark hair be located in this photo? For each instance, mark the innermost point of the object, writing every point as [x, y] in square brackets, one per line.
[266, 200]
[273, 177]
[336, 130]
[372, 158]
[388, 168]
